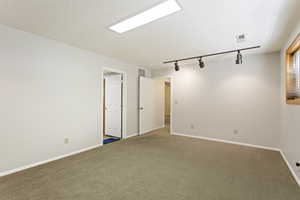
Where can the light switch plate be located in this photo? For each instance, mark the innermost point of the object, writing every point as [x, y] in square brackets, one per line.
[66, 140]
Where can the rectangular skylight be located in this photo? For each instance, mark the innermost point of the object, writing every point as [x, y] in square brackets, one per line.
[157, 12]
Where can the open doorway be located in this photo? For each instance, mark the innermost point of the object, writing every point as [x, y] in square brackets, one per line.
[112, 106]
[167, 113]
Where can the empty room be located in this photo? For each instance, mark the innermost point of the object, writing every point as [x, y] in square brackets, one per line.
[149, 99]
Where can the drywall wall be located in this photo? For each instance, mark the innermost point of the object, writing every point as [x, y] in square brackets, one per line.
[290, 117]
[51, 91]
[240, 103]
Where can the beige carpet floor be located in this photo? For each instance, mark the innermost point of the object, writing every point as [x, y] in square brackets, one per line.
[158, 166]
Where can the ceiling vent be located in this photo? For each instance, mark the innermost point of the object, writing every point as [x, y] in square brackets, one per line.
[240, 38]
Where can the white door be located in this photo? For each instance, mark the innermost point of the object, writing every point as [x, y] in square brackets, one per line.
[113, 105]
[151, 104]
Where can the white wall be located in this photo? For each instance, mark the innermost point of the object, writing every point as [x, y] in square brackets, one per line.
[290, 137]
[51, 91]
[224, 97]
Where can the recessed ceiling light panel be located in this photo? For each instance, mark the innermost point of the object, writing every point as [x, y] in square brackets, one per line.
[157, 12]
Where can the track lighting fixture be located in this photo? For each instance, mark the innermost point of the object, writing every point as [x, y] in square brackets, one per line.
[201, 63]
[176, 66]
[239, 58]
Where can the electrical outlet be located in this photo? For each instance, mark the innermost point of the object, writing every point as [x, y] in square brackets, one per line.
[235, 132]
[192, 126]
[240, 38]
[66, 140]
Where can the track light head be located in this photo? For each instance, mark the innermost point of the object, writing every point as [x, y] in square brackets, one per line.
[176, 66]
[201, 63]
[239, 58]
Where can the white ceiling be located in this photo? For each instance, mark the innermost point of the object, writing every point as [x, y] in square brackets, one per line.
[203, 26]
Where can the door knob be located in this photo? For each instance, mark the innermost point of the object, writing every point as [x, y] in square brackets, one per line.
[141, 108]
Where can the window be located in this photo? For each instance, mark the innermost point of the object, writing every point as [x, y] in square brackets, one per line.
[293, 72]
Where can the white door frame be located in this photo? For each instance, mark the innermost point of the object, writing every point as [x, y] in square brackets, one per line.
[124, 102]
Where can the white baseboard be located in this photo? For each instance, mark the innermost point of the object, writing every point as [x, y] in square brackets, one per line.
[290, 168]
[133, 135]
[5, 173]
[153, 129]
[228, 141]
[248, 145]
[173, 133]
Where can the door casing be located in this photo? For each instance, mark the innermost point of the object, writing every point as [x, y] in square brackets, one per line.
[124, 102]
[113, 105]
